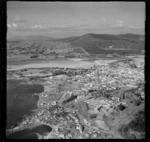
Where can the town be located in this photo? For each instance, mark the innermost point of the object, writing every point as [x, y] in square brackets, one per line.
[75, 70]
[87, 103]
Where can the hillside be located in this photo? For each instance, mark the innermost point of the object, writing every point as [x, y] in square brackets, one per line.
[13, 38]
[86, 44]
[105, 43]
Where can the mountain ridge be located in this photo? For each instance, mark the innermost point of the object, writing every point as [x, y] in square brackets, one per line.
[96, 43]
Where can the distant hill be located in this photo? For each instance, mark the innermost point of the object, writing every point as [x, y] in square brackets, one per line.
[132, 37]
[107, 37]
[29, 38]
[107, 43]
[91, 43]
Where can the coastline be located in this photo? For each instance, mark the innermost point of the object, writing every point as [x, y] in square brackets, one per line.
[50, 64]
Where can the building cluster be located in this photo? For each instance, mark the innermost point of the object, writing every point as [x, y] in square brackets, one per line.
[97, 100]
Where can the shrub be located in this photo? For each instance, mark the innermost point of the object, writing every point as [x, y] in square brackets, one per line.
[34, 56]
[138, 124]
[59, 72]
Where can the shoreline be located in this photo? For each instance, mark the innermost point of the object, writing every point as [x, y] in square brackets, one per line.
[50, 64]
[61, 63]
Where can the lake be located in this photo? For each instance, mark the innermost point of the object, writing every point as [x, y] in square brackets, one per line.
[30, 133]
[68, 63]
[20, 100]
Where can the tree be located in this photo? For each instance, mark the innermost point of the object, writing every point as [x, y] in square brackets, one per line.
[34, 56]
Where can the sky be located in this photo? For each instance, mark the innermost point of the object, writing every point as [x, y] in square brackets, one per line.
[64, 19]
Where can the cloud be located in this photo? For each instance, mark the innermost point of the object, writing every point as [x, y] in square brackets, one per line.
[118, 24]
[14, 25]
[83, 27]
[9, 26]
[136, 27]
[53, 32]
[103, 20]
[37, 26]
[70, 27]
[18, 19]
